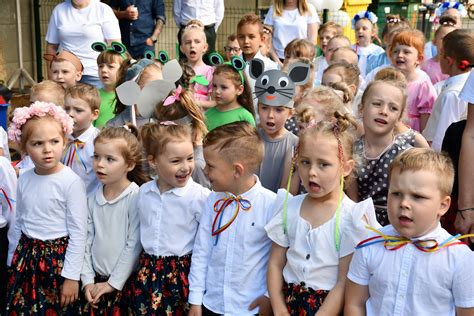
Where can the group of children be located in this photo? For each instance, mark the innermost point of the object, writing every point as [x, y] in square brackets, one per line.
[319, 202]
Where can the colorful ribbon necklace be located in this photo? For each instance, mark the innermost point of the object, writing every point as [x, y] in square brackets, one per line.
[220, 206]
[397, 242]
[9, 201]
[72, 152]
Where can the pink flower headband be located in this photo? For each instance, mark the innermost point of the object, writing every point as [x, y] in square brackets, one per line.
[40, 109]
[174, 97]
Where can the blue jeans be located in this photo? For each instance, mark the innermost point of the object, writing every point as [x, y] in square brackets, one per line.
[138, 51]
[94, 81]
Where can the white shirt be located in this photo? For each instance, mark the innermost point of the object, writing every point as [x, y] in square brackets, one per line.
[318, 77]
[467, 92]
[169, 221]
[312, 256]
[289, 26]
[226, 277]
[409, 281]
[113, 237]
[25, 164]
[4, 143]
[447, 109]
[8, 183]
[207, 11]
[81, 160]
[364, 53]
[51, 207]
[76, 29]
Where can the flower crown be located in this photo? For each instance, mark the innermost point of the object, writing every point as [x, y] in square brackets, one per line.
[40, 109]
[451, 5]
[364, 15]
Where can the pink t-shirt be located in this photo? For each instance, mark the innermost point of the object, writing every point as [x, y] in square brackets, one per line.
[203, 93]
[433, 69]
[421, 97]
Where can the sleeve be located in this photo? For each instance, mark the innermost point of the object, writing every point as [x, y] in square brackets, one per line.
[52, 35]
[176, 12]
[8, 182]
[14, 232]
[463, 282]
[313, 17]
[358, 269]
[248, 117]
[110, 24]
[200, 203]
[428, 96]
[87, 273]
[159, 10]
[219, 7]
[201, 254]
[269, 17]
[274, 228]
[76, 217]
[129, 256]
[467, 92]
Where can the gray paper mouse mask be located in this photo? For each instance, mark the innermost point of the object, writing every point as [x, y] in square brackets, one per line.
[275, 87]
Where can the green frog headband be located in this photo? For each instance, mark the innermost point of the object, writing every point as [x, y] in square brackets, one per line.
[115, 47]
[162, 56]
[236, 63]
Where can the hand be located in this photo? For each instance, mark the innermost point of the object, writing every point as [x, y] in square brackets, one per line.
[265, 307]
[149, 42]
[69, 292]
[100, 289]
[87, 293]
[131, 13]
[196, 310]
[464, 223]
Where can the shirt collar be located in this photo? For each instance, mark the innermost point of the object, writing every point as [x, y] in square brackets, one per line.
[436, 234]
[101, 200]
[84, 137]
[456, 79]
[179, 191]
[255, 188]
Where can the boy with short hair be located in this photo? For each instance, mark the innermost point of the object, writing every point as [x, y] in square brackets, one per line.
[456, 54]
[413, 266]
[66, 69]
[231, 250]
[232, 48]
[82, 103]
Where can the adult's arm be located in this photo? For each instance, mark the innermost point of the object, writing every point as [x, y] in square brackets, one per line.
[313, 32]
[159, 15]
[219, 7]
[177, 5]
[110, 27]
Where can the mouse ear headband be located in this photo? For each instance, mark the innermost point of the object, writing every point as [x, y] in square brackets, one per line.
[236, 63]
[364, 15]
[451, 5]
[115, 47]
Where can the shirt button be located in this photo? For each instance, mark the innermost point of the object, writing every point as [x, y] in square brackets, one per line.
[308, 256]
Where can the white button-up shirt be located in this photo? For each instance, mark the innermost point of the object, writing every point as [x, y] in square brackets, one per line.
[227, 275]
[409, 281]
[169, 220]
[207, 11]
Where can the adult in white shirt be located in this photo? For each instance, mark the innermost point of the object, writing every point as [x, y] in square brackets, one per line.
[76, 24]
[291, 19]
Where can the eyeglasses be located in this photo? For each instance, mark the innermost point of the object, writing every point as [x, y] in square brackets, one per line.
[229, 49]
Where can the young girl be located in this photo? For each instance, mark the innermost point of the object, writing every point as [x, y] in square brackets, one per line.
[365, 25]
[169, 209]
[315, 233]
[113, 238]
[233, 98]
[194, 46]
[51, 223]
[181, 109]
[343, 77]
[326, 32]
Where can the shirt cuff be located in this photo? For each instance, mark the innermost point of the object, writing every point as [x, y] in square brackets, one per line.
[116, 284]
[86, 281]
[195, 297]
[357, 280]
[71, 276]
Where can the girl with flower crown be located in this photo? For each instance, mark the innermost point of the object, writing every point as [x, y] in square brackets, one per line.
[51, 220]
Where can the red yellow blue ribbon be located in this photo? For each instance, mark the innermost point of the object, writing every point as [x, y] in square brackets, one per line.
[72, 152]
[9, 200]
[219, 207]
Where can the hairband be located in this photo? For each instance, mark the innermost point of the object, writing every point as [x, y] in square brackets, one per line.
[67, 55]
[393, 20]
[464, 64]
[364, 15]
[115, 47]
[451, 5]
[236, 63]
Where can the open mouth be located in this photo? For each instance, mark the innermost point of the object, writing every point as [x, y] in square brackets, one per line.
[314, 187]
[270, 124]
[380, 121]
[405, 220]
[182, 177]
[100, 174]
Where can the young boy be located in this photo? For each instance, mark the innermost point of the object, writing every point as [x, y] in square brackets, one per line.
[413, 266]
[457, 52]
[232, 48]
[82, 103]
[66, 69]
[326, 32]
[231, 251]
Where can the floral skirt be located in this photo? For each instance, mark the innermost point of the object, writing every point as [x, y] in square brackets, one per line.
[161, 285]
[35, 278]
[302, 301]
[116, 303]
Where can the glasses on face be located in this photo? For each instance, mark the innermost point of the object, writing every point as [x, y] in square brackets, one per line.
[229, 49]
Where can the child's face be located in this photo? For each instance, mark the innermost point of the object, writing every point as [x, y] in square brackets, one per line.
[81, 113]
[332, 46]
[324, 39]
[330, 77]
[194, 45]
[232, 49]
[224, 90]
[405, 58]
[219, 171]
[109, 164]
[364, 31]
[249, 39]
[273, 118]
[108, 74]
[415, 203]
[65, 73]
[345, 55]
[382, 109]
[320, 170]
[45, 145]
[175, 165]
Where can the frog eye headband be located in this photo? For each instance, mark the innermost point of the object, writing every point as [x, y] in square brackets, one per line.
[364, 15]
[451, 5]
[115, 47]
[162, 56]
[236, 63]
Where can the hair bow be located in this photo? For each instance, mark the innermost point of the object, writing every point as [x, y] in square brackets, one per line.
[168, 123]
[464, 64]
[199, 79]
[364, 15]
[451, 5]
[174, 97]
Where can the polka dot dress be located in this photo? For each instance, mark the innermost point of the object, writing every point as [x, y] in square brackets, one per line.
[292, 126]
[372, 174]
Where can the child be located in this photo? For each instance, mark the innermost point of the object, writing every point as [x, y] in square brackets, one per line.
[315, 233]
[346, 54]
[409, 268]
[457, 53]
[48, 91]
[365, 25]
[232, 47]
[66, 69]
[233, 98]
[113, 238]
[170, 211]
[181, 109]
[51, 220]
[407, 54]
[194, 46]
[299, 48]
[230, 256]
[334, 43]
[4, 149]
[82, 103]
[326, 32]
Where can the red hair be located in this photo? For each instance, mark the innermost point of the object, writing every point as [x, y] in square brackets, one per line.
[412, 38]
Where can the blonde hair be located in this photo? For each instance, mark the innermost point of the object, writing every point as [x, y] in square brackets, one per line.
[55, 92]
[303, 7]
[417, 159]
[350, 76]
[86, 93]
[155, 137]
[400, 85]
[331, 26]
[300, 48]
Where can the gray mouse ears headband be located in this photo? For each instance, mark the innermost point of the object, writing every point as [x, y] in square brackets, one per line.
[275, 87]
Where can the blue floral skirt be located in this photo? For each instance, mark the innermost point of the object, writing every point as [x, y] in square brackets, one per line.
[302, 301]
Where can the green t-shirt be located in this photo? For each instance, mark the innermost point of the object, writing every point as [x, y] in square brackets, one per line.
[107, 107]
[216, 118]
